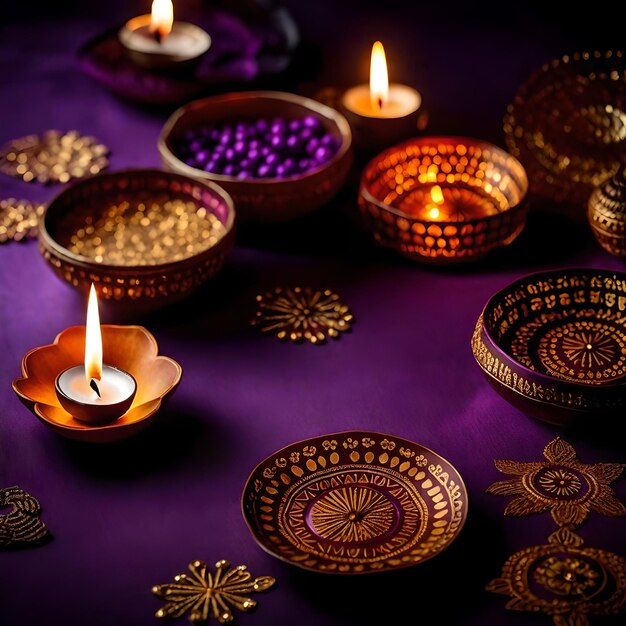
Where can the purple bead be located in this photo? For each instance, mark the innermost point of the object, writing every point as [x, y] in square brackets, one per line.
[278, 126]
[323, 154]
[226, 137]
[329, 141]
[244, 174]
[196, 145]
[241, 127]
[245, 164]
[239, 147]
[253, 155]
[277, 142]
[261, 125]
[312, 145]
[304, 165]
[229, 154]
[264, 171]
[305, 134]
[271, 159]
[294, 126]
[219, 149]
[289, 163]
[265, 150]
[255, 144]
[191, 161]
[202, 157]
[294, 144]
[214, 135]
[230, 170]
[210, 166]
[312, 122]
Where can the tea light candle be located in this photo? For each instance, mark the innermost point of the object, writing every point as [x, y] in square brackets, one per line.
[381, 113]
[448, 204]
[94, 392]
[156, 41]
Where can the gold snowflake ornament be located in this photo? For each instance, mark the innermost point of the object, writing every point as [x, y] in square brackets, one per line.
[302, 314]
[204, 595]
[569, 489]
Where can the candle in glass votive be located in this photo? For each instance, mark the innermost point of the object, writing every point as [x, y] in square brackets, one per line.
[94, 392]
[380, 113]
[156, 41]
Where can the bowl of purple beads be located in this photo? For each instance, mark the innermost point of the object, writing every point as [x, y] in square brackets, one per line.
[279, 155]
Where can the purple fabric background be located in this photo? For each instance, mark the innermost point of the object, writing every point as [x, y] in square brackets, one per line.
[127, 516]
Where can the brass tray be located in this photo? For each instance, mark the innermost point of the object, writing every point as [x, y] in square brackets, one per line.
[354, 503]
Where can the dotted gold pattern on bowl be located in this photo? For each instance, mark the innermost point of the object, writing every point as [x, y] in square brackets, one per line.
[19, 219]
[567, 124]
[53, 157]
[354, 503]
[606, 212]
[486, 186]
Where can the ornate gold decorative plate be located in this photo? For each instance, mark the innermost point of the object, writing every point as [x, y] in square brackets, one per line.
[564, 579]
[19, 219]
[53, 157]
[204, 595]
[569, 489]
[354, 502]
[21, 526]
[567, 124]
[302, 314]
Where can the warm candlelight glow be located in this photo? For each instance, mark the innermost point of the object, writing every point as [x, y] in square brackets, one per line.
[93, 339]
[437, 195]
[379, 80]
[162, 17]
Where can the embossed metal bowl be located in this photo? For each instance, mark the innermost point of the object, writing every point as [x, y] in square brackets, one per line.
[444, 199]
[606, 212]
[264, 200]
[567, 124]
[354, 503]
[145, 237]
[554, 345]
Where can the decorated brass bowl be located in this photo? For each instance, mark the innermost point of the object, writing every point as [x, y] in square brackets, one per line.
[567, 124]
[145, 237]
[264, 199]
[129, 348]
[554, 344]
[444, 199]
[354, 503]
[606, 212]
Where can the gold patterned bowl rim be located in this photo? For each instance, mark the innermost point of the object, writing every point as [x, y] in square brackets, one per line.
[50, 242]
[318, 108]
[359, 434]
[494, 347]
[435, 139]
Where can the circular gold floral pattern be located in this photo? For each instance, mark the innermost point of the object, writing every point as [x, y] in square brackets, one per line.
[352, 515]
[569, 489]
[589, 351]
[354, 502]
[568, 576]
[565, 579]
[301, 314]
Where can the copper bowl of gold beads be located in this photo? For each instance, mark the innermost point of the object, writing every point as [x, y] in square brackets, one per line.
[444, 200]
[145, 237]
[567, 124]
[279, 155]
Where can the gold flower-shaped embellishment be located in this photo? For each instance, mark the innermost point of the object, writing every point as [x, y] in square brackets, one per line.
[406, 453]
[350, 444]
[562, 484]
[367, 442]
[302, 314]
[566, 576]
[308, 450]
[294, 457]
[329, 444]
[269, 472]
[282, 462]
[204, 595]
[385, 444]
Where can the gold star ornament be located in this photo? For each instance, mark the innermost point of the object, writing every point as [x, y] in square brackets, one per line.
[203, 594]
[569, 489]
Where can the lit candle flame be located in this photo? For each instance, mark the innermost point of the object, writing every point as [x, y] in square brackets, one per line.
[437, 197]
[93, 339]
[379, 80]
[162, 17]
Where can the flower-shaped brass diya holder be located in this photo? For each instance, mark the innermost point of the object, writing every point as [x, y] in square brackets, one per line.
[567, 124]
[146, 238]
[554, 344]
[444, 199]
[129, 348]
[354, 503]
